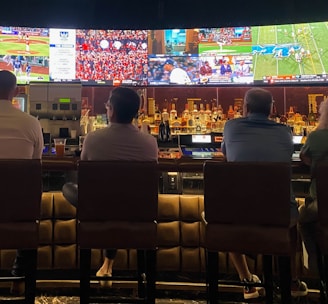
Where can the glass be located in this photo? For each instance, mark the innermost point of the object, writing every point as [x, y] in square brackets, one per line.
[73, 134]
[81, 140]
[60, 146]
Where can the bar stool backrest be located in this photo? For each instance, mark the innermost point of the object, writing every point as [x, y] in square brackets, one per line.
[117, 190]
[245, 193]
[20, 202]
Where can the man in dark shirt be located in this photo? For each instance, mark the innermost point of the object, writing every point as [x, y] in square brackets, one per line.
[256, 138]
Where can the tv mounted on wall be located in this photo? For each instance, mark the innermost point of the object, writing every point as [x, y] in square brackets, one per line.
[268, 55]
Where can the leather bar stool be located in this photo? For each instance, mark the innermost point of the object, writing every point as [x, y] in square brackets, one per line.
[247, 209]
[320, 174]
[117, 208]
[21, 191]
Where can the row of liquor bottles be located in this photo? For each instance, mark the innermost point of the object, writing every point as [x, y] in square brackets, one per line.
[207, 117]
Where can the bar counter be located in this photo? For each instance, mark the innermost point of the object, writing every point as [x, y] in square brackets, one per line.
[183, 164]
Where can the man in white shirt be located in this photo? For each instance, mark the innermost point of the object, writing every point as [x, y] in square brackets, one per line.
[20, 138]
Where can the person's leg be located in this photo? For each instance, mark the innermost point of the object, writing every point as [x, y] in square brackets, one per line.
[240, 263]
[307, 225]
[70, 192]
[18, 270]
[107, 266]
[298, 287]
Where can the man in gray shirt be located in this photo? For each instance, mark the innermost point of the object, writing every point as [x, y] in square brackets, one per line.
[121, 140]
[256, 138]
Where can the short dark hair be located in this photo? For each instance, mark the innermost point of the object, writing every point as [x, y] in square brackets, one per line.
[8, 81]
[125, 103]
[258, 100]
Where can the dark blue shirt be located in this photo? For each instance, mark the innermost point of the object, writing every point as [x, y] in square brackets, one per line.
[256, 138]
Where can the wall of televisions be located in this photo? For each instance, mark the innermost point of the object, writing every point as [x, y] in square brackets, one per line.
[268, 55]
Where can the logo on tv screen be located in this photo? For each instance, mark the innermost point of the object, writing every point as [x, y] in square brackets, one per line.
[63, 34]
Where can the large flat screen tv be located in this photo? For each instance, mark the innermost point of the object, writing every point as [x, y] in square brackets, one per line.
[268, 55]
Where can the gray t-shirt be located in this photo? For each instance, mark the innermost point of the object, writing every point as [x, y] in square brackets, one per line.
[316, 148]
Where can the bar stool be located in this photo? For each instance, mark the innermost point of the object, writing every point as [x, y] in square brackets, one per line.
[247, 209]
[21, 191]
[117, 208]
[320, 174]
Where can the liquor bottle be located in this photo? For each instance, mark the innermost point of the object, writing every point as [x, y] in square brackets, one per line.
[215, 114]
[185, 115]
[273, 114]
[304, 137]
[198, 125]
[291, 116]
[208, 112]
[195, 112]
[237, 113]
[165, 115]
[157, 116]
[220, 112]
[298, 124]
[162, 132]
[173, 113]
[201, 113]
[311, 117]
[231, 113]
[145, 125]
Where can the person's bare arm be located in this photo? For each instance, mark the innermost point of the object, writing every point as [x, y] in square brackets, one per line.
[305, 159]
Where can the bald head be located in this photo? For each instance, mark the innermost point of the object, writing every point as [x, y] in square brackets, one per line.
[258, 100]
[8, 85]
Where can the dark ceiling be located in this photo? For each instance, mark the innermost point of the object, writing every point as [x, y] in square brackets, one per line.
[159, 14]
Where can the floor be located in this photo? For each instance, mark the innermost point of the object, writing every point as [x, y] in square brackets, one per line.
[49, 294]
[226, 300]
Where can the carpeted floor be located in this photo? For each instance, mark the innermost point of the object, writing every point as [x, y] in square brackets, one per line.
[75, 300]
[70, 296]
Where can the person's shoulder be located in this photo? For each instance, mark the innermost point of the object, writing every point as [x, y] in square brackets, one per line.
[236, 121]
[232, 124]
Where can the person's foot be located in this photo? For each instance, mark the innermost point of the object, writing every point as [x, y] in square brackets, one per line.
[104, 283]
[251, 292]
[299, 289]
[17, 288]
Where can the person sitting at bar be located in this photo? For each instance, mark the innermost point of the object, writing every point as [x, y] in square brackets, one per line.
[121, 140]
[255, 137]
[315, 149]
[20, 138]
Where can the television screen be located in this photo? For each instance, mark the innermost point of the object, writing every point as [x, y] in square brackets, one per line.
[226, 55]
[25, 52]
[112, 56]
[173, 70]
[290, 53]
[268, 55]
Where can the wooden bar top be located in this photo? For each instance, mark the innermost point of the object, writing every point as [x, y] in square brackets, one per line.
[183, 164]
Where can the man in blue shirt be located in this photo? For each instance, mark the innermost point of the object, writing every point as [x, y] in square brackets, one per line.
[255, 137]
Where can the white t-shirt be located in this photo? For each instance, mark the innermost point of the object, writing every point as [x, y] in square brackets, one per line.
[120, 142]
[20, 133]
